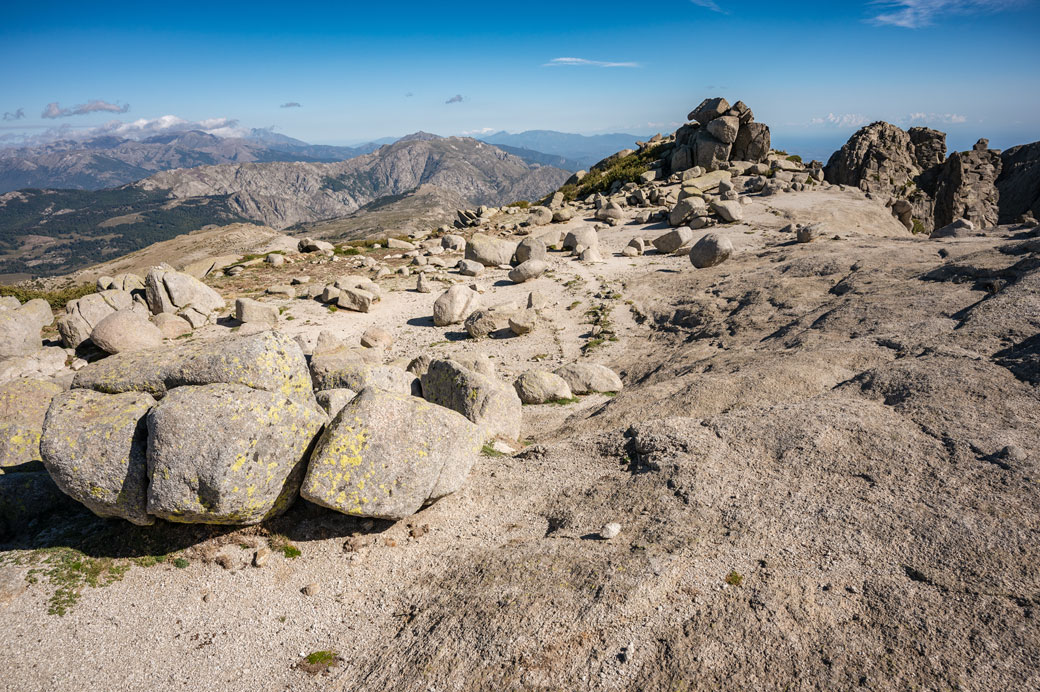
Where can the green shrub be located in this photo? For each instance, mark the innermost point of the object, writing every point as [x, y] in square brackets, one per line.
[57, 299]
[795, 157]
[625, 170]
[522, 204]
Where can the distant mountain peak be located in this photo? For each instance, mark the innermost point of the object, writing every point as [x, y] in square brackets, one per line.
[420, 136]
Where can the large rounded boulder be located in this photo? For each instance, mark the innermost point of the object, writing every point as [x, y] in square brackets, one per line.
[385, 455]
[94, 446]
[227, 453]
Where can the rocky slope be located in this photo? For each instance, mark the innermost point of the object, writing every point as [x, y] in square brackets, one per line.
[109, 161]
[817, 469]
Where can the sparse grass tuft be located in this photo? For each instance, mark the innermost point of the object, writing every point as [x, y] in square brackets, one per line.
[319, 662]
[181, 563]
[734, 578]
[489, 451]
[522, 204]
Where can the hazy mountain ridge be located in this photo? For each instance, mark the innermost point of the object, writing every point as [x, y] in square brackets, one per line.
[109, 161]
[44, 232]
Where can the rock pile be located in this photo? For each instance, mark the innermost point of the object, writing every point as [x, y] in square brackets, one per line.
[925, 189]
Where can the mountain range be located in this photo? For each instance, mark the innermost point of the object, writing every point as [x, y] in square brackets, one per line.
[109, 161]
[44, 232]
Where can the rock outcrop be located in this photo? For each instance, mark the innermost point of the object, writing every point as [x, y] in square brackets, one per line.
[924, 189]
[1019, 182]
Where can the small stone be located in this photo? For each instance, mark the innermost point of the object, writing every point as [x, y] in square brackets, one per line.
[311, 589]
[376, 337]
[261, 556]
[610, 530]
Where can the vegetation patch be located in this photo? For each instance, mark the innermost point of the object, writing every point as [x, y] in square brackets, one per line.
[734, 578]
[56, 298]
[489, 451]
[319, 662]
[624, 170]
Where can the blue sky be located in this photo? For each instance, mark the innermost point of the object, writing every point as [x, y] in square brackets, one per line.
[814, 71]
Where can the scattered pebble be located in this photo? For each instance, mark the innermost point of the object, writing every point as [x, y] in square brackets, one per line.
[610, 530]
[311, 589]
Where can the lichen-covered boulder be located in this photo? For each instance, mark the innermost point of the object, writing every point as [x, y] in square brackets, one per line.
[23, 407]
[94, 448]
[227, 454]
[489, 403]
[385, 455]
[269, 361]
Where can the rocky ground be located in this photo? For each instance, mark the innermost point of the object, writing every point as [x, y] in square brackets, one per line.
[824, 466]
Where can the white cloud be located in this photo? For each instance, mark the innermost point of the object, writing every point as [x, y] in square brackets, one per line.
[479, 131]
[561, 62]
[914, 14]
[941, 118]
[708, 5]
[54, 110]
[843, 120]
[135, 129]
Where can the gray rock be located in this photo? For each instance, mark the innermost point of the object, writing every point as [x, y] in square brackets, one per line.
[728, 210]
[333, 400]
[523, 322]
[171, 326]
[376, 337]
[809, 233]
[281, 290]
[710, 250]
[19, 334]
[584, 237]
[563, 215]
[539, 216]
[484, 400]
[38, 310]
[526, 271]
[422, 284]
[708, 110]
[275, 260]
[386, 455]
[540, 387]
[227, 454]
[489, 251]
[455, 305]
[724, 128]
[311, 245]
[480, 324]
[673, 240]
[531, 248]
[344, 369]
[23, 407]
[586, 378]
[252, 311]
[961, 228]
[966, 188]
[685, 208]
[94, 447]
[453, 243]
[269, 360]
[356, 299]
[470, 268]
[126, 330]
[752, 143]
[171, 291]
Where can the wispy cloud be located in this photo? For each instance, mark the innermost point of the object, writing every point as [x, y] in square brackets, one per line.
[135, 129]
[841, 120]
[914, 14]
[54, 110]
[457, 98]
[562, 62]
[709, 5]
[17, 115]
[940, 118]
[479, 131]
[290, 104]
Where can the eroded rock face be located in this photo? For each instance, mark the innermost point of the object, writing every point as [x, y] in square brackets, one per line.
[269, 360]
[1019, 182]
[227, 453]
[482, 399]
[171, 291]
[94, 447]
[967, 188]
[385, 455]
[878, 158]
